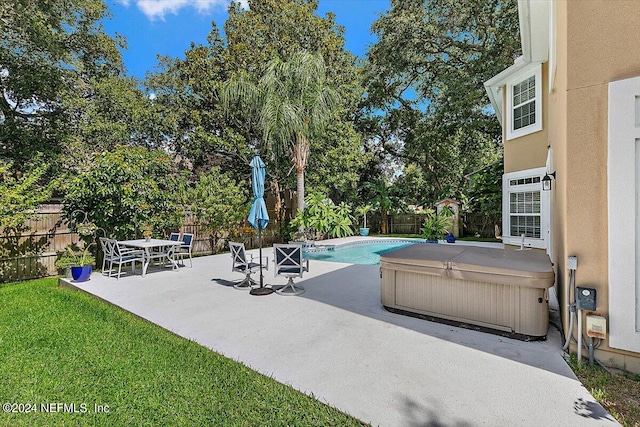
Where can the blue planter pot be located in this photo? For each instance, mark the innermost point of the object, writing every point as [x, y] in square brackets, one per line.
[81, 274]
[364, 231]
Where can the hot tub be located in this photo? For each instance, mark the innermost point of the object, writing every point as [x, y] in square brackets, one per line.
[502, 290]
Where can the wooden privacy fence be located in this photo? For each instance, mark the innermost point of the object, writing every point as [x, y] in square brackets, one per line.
[398, 224]
[33, 253]
[472, 224]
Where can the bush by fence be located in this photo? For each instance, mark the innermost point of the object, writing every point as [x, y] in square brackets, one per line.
[33, 253]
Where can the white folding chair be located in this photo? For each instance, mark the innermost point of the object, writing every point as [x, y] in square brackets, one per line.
[289, 263]
[107, 252]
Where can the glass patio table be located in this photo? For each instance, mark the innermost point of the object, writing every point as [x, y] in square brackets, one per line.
[154, 249]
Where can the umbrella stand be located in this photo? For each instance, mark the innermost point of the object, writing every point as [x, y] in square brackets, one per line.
[261, 290]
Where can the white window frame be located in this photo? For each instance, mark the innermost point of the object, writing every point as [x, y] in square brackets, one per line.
[545, 212]
[518, 78]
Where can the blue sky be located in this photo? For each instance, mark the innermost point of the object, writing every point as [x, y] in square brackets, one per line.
[167, 27]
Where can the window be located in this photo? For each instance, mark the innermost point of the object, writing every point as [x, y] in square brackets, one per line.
[525, 209]
[524, 102]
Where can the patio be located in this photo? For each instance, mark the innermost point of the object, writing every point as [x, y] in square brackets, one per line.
[337, 342]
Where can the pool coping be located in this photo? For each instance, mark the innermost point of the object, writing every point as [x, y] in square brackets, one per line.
[333, 244]
[331, 247]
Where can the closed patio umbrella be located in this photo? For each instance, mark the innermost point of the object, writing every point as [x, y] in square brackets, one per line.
[258, 215]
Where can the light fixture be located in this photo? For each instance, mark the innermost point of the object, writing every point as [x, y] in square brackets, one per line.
[546, 181]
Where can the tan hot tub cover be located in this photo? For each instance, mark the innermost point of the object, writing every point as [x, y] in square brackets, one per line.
[504, 290]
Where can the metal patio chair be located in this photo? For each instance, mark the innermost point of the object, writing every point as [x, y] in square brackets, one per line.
[185, 248]
[241, 264]
[289, 263]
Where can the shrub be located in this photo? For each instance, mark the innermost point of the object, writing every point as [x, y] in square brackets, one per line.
[126, 188]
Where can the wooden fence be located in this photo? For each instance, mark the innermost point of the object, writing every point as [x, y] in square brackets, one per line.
[472, 224]
[33, 253]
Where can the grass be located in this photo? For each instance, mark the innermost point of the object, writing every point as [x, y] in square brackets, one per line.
[63, 346]
[419, 236]
[617, 393]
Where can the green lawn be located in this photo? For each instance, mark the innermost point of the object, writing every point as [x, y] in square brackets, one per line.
[59, 346]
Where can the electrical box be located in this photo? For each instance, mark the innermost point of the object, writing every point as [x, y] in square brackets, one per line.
[572, 263]
[596, 326]
[586, 299]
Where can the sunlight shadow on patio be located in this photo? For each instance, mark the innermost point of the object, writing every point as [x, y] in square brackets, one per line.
[356, 288]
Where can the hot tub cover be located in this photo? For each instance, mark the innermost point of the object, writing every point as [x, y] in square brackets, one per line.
[513, 267]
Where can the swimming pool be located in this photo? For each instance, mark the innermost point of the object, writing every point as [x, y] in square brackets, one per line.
[363, 253]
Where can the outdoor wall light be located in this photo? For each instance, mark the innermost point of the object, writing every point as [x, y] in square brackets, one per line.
[546, 181]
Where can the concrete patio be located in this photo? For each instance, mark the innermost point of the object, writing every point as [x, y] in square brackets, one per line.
[338, 343]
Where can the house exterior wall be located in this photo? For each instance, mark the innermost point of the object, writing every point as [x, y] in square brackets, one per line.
[596, 43]
[529, 151]
[557, 128]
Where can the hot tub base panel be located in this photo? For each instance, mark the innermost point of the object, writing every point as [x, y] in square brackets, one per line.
[467, 325]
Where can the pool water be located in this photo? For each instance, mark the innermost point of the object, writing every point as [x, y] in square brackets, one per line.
[368, 253]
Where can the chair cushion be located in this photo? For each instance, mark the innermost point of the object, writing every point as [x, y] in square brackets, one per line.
[283, 269]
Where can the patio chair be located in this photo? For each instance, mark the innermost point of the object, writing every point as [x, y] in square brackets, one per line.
[124, 255]
[241, 264]
[185, 248]
[289, 263]
[163, 254]
[107, 252]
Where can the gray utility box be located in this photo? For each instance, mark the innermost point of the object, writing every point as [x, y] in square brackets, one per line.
[586, 299]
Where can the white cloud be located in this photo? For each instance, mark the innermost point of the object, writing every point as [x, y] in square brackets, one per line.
[155, 9]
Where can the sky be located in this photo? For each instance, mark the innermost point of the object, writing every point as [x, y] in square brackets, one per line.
[167, 27]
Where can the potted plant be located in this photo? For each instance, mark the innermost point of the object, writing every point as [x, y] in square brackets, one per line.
[436, 225]
[146, 232]
[79, 261]
[362, 211]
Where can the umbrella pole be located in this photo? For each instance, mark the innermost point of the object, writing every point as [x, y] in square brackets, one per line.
[261, 290]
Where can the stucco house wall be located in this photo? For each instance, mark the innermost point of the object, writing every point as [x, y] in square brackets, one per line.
[602, 40]
[591, 44]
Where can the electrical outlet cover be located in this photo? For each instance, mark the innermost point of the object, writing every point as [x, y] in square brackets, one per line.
[596, 327]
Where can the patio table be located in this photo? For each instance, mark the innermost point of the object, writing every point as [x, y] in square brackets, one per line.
[166, 249]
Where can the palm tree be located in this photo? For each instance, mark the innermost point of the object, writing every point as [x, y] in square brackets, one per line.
[293, 103]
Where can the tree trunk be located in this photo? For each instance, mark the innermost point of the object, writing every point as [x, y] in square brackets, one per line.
[300, 187]
[275, 186]
[383, 226]
[299, 156]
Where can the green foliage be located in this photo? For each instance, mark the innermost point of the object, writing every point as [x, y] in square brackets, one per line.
[411, 187]
[485, 192]
[427, 71]
[75, 257]
[336, 162]
[51, 54]
[436, 224]
[219, 202]
[322, 217]
[127, 188]
[22, 195]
